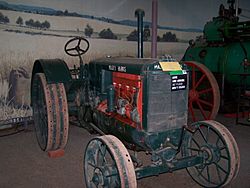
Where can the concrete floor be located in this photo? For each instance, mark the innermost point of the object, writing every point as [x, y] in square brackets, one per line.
[24, 165]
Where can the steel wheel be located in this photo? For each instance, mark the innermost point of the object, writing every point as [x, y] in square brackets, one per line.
[107, 163]
[204, 93]
[50, 112]
[219, 149]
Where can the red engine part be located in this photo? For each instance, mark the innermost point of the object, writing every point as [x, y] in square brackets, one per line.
[128, 90]
[128, 99]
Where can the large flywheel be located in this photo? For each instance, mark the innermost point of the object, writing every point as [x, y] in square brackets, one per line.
[204, 93]
[107, 163]
[217, 146]
[50, 112]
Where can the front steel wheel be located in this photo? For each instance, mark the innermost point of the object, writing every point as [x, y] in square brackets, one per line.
[50, 113]
[220, 152]
[107, 164]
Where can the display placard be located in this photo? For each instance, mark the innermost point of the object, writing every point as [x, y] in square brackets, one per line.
[178, 82]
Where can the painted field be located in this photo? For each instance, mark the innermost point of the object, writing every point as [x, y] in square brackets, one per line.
[74, 24]
[19, 49]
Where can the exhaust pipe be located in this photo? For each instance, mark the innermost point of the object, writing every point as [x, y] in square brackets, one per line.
[139, 13]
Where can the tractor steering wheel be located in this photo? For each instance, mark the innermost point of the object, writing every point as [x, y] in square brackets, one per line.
[77, 50]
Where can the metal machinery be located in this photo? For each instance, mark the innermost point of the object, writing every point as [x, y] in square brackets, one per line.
[224, 49]
[138, 105]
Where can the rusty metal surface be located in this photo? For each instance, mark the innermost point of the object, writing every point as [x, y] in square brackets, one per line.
[51, 127]
[126, 159]
[233, 150]
[221, 154]
[65, 116]
[107, 158]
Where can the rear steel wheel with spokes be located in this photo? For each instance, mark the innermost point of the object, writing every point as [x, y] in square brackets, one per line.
[107, 163]
[50, 112]
[217, 146]
[204, 93]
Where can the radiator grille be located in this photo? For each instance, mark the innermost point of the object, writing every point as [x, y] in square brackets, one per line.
[166, 110]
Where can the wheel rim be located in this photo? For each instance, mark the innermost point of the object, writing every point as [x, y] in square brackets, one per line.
[107, 163]
[219, 150]
[50, 112]
[204, 94]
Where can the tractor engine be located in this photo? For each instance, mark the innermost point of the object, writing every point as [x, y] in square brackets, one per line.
[132, 96]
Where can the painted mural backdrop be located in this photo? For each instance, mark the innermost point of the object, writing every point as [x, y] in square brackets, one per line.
[31, 29]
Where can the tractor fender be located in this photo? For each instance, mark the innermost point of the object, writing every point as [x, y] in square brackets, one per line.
[55, 71]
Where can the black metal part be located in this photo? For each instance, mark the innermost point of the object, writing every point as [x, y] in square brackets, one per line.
[155, 170]
[111, 98]
[139, 13]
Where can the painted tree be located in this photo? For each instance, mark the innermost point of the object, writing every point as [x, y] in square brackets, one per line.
[4, 19]
[107, 34]
[133, 36]
[45, 25]
[88, 31]
[146, 33]
[19, 21]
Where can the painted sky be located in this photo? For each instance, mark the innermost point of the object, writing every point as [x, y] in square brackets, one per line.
[176, 13]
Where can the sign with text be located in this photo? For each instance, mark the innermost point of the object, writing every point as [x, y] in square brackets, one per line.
[178, 82]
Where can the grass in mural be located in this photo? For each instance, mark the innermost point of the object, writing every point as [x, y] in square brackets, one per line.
[7, 110]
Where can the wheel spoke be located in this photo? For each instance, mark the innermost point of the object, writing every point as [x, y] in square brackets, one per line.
[71, 49]
[208, 174]
[202, 110]
[193, 77]
[224, 157]
[112, 174]
[205, 102]
[205, 91]
[196, 143]
[79, 42]
[93, 165]
[217, 141]
[194, 149]
[200, 80]
[222, 148]
[222, 169]
[200, 171]
[102, 150]
[192, 111]
[202, 134]
[207, 135]
[218, 172]
[81, 50]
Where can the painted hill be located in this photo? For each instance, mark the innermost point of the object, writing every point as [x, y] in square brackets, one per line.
[49, 11]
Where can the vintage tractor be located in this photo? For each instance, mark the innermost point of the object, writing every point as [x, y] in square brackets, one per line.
[224, 49]
[137, 105]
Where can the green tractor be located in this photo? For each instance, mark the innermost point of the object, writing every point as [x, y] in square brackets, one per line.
[135, 105]
[224, 50]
